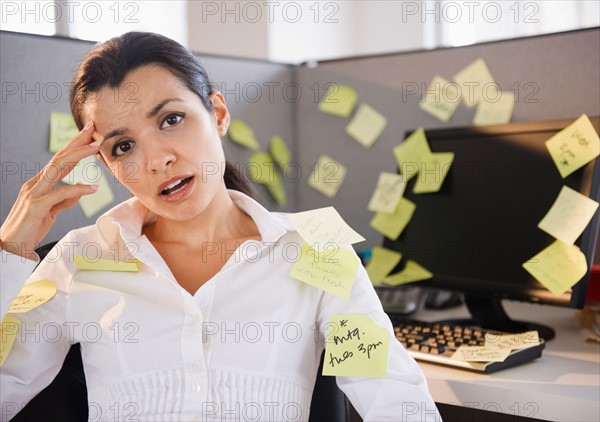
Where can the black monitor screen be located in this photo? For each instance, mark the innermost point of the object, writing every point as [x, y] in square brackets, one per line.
[478, 230]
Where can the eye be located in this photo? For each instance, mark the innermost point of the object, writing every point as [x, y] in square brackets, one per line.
[171, 120]
[121, 148]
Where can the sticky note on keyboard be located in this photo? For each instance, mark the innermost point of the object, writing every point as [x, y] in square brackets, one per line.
[481, 354]
[32, 295]
[356, 346]
[8, 332]
[512, 341]
[95, 264]
[324, 226]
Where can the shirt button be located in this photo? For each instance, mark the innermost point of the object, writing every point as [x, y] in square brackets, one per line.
[196, 368]
[196, 387]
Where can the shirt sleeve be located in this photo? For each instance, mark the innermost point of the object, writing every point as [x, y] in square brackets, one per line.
[41, 341]
[403, 394]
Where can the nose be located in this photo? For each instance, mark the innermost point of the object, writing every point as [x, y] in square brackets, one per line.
[159, 156]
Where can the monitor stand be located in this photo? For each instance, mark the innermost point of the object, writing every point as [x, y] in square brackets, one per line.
[487, 312]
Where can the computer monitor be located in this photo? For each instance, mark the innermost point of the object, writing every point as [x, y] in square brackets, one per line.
[478, 230]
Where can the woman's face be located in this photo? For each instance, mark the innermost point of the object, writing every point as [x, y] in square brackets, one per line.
[160, 142]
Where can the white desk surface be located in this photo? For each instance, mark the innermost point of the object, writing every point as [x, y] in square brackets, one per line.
[563, 385]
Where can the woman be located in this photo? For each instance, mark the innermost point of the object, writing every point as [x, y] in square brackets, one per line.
[212, 327]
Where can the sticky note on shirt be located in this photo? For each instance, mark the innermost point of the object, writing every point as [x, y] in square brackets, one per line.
[382, 262]
[411, 273]
[324, 226]
[327, 176]
[62, 130]
[32, 295]
[390, 188]
[569, 215]
[339, 100]
[392, 224]
[96, 264]
[474, 80]
[356, 346]
[332, 269]
[495, 110]
[574, 146]
[8, 332]
[366, 126]
[242, 134]
[481, 354]
[280, 152]
[410, 152]
[433, 172]
[441, 98]
[513, 341]
[558, 267]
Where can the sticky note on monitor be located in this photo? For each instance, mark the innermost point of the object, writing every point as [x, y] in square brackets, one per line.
[8, 332]
[98, 264]
[32, 295]
[88, 171]
[411, 273]
[366, 126]
[410, 152]
[390, 188]
[495, 110]
[569, 215]
[441, 98]
[558, 267]
[62, 130]
[433, 171]
[382, 262]
[392, 224]
[356, 346]
[332, 269]
[280, 152]
[474, 80]
[327, 176]
[242, 134]
[324, 226]
[574, 146]
[339, 100]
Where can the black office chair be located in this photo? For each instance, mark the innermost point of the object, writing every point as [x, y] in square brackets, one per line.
[65, 399]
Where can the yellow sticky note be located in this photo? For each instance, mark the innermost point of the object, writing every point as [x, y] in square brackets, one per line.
[88, 171]
[412, 272]
[513, 341]
[261, 168]
[97, 264]
[574, 146]
[356, 346]
[366, 126]
[441, 98]
[332, 269]
[475, 80]
[8, 332]
[481, 354]
[62, 130]
[390, 188]
[32, 295]
[323, 227]
[496, 110]
[391, 225]
[280, 152]
[242, 134]
[327, 176]
[339, 100]
[569, 215]
[558, 267]
[433, 171]
[410, 152]
[277, 190]
[382, 262]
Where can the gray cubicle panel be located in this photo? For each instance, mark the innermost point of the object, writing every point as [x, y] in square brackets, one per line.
[554, 76]
[36, 71]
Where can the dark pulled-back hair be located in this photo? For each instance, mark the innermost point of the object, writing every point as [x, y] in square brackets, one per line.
[108, 64]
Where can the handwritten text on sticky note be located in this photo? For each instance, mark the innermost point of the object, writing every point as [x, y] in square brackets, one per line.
[390, 188]
[324, 226]
[441, 98]
[32, 295]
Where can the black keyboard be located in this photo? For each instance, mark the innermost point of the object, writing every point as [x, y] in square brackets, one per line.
[437, 342]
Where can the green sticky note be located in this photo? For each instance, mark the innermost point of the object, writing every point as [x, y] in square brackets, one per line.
[558, 267]
[331, 269]
[382, 262]
[391, 225]
[496, 110]
[62, 130]
[441, 98]
[327, 176]
[390, 188]
[323, 227]
[280, 152]
[97, 264]
[574, 146]
[339, 100]
[410, 152]
[277, 190]
[88, 171]
[475, 80]
[356, 346]
[32, 295]
[8, 332]
[433, 171]
[242, 134]
[366, 126]
[412, 272]
[261, 168]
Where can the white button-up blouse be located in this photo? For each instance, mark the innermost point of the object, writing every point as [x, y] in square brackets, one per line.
[245, 346]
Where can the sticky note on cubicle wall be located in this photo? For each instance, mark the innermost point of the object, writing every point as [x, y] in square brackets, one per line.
[409, 154]
[366, 126]
[390, 188]
[441, 98]
[62, 130]
[495, 111]
[327, 176]
[339, 100]
[88, 171]
[474, 80]
[242, 134]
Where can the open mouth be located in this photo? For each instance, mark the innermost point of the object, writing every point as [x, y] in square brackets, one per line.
[176, 186]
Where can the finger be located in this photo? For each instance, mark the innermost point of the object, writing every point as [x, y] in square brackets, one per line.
[82, 138]
[65, 196]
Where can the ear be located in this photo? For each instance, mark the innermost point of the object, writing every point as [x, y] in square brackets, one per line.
[221, 113]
